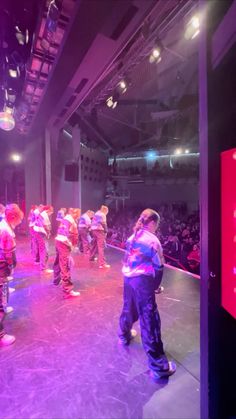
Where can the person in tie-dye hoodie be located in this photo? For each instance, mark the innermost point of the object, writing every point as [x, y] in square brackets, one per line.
[142, 265]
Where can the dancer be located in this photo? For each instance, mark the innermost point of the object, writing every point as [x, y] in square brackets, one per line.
[84, 228]
[42, 231]
[61, 213]
[2, 211]
[141, 278]
[31, 220]
[99, 232]
[13, 217]
[66, 239]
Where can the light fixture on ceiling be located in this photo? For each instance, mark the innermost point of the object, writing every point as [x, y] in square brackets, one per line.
[7, 122]
[112, 101]
[22, 37]
[16, 157]
[13, 71]
[178, 151]
[50, 24]
[12, 66]
[8, 108]
[123, 85]
[10, 95]
[192, 28]
[151, 155]
[155, 56]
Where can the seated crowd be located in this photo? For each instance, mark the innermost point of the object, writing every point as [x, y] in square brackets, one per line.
[178, 233]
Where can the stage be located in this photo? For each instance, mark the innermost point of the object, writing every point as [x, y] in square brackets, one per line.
[66, 362]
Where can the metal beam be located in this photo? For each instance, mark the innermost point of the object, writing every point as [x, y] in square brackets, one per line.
[96, 132]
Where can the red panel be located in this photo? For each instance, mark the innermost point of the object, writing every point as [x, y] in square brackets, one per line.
[228, 228]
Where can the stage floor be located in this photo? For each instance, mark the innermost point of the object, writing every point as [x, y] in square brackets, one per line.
[66, 362]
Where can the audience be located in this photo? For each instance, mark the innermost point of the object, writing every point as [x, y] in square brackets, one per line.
[178, 233]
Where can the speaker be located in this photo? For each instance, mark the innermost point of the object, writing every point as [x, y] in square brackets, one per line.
[72, 172]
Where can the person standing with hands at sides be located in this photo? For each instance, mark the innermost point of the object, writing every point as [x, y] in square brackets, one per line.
[65, 240]
[42, 231]
[99, 232]
[31, 220]
[141, 269]
[84, 226]
[13, 217]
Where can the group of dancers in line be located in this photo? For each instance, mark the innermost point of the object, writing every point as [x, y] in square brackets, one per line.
[142, 268]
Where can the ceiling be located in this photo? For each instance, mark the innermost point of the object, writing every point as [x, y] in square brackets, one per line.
[94, 45]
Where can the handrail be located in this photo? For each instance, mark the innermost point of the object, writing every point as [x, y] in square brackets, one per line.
[177, 261]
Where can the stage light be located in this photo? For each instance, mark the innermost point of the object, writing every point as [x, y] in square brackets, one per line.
[16, 157]
[114, 104]
[178, 151]
[155, 56]
[13, 71]
[7, 122]
[151, 155]
[186, 151]
[123, 85]
[50, 25]
[8, 108]
[109, 102]
[192, 28]
[10, 95]
[112, 101]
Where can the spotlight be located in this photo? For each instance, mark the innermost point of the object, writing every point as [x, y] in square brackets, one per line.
[8, 108]
[13, 71]
[16, 157]
[112, 101]
[10, 95]
[7, 122]
[50, 25]
[155, 56]
[20, 36]
[192, 28]
[186, 151]
[178, 151]
[123, 85]
[109, 102]
[151, 155]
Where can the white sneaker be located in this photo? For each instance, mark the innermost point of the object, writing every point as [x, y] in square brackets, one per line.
[106, 265]
[72, 294]
[164, 373]
[133, 333]
[11, 290]
[7, 340]
[123, 341]
[8, 310]
[159, 290]
[10, 278]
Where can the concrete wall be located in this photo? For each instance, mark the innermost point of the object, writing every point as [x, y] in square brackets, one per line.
[93, 173]
[34, 172]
